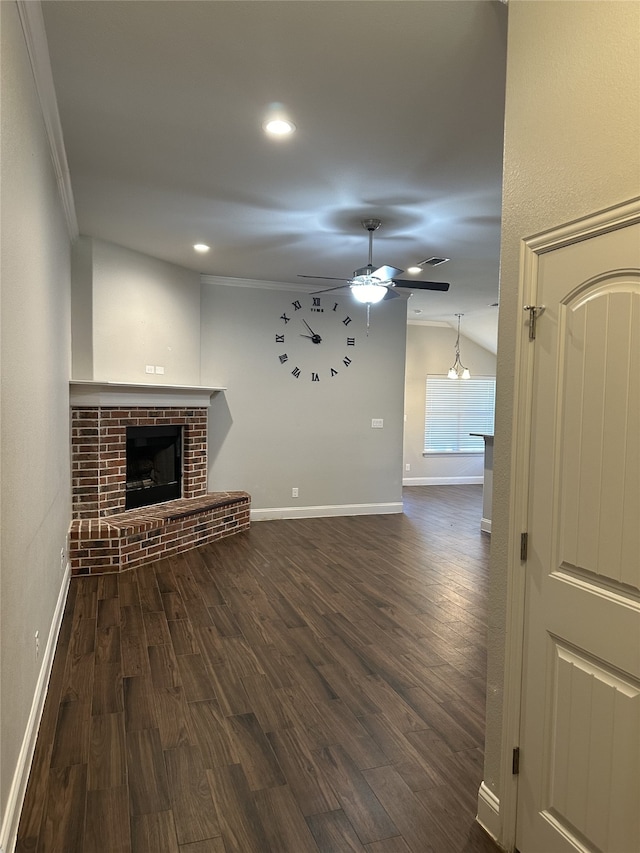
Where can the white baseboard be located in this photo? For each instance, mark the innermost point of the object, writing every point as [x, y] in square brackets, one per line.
[485, 525]
[443, 481]
[488, 811]
[324, 511]
[9, 830]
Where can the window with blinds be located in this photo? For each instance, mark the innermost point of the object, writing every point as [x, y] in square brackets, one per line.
[456, 407]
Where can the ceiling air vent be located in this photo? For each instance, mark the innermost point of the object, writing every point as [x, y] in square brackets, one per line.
[433, 262]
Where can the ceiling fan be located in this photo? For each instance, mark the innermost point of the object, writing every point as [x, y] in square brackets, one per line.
[370, 284]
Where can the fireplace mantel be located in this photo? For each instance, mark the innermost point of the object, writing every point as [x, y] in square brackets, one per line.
[97, 393]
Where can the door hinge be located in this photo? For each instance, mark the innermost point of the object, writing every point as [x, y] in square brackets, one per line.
[524, 547]
[515, 761]
[533, 310]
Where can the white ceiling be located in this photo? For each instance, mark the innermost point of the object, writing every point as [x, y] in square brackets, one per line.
[399, 114]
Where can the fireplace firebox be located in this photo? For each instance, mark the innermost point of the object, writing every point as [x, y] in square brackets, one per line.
[154, 465]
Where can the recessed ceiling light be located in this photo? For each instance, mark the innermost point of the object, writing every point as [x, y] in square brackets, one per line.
[279, 127]
[201, 247]
[414, 270]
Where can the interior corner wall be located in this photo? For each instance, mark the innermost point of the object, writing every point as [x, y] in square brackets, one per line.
[430, 350]
[572, 131]
[82, 309]
[35, 491]
[144, 311]
[270, 432]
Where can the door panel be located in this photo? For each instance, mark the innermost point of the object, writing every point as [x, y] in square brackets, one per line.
[592, 780]
[580, 731]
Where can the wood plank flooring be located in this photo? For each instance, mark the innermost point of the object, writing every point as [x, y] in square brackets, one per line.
[311, 685]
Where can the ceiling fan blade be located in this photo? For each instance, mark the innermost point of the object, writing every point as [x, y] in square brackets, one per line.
[423, 285]
[391, 294]
[329, 289]
[325, 277]
[385, 272]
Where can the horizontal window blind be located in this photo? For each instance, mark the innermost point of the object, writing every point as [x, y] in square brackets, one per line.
[456, 407]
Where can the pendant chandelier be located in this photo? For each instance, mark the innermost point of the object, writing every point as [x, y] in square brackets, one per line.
[457, 369]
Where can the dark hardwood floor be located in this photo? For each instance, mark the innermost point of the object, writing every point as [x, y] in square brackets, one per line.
[311, 685]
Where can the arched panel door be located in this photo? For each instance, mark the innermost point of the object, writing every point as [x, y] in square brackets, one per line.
[579, 786]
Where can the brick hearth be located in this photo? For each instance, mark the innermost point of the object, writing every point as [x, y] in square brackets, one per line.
[138, 536]
[103, 536]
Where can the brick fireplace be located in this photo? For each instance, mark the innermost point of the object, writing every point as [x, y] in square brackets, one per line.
[98, 453]
[104, 537]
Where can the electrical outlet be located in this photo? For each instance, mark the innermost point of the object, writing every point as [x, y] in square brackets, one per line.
[294, 492]
[37, 641]
[149, 368]
[159, 369]
[407, 467]
[377, 423]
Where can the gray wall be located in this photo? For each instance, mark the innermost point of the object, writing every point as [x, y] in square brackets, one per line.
[270, 432]
[131, 310]
[431, 349]
[572, 146]
[35, 492]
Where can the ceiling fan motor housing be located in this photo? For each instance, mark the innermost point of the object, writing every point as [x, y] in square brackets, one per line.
[368, 270]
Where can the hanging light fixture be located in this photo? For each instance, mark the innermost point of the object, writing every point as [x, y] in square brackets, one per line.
[457, 369]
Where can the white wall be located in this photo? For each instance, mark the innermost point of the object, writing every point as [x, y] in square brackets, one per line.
[131, 310]
[35, 492]
[270, 432]
[572, 131]
[430, 349]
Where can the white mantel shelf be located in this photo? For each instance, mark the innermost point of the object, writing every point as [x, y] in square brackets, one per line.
[92, 392]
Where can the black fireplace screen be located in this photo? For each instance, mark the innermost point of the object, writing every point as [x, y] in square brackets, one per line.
[154, 465]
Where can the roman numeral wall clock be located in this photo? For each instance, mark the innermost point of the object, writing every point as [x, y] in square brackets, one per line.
[315, 339]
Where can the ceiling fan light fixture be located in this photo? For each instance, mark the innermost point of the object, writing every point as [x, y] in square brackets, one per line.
[368, 290]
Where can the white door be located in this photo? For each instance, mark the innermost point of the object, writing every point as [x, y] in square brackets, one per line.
[579, 784]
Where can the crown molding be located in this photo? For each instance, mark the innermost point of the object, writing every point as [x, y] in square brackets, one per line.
[35, 37]
[444, 324]
[226, 281]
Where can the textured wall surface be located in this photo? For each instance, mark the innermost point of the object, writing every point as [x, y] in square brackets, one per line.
[271, 432]
[144, 312]
[35, 499]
